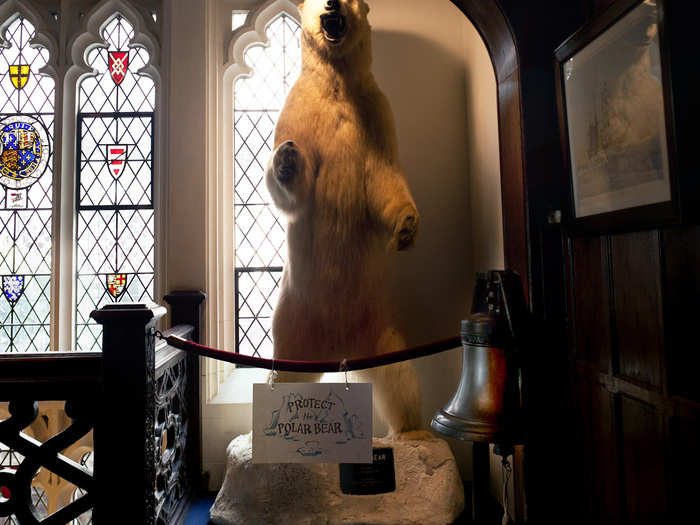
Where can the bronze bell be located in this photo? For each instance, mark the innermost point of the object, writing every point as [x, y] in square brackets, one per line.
[487, 404]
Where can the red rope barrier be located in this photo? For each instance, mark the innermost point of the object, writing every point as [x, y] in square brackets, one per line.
[315, 366]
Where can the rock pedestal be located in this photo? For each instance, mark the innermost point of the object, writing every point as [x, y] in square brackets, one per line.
[428, 490]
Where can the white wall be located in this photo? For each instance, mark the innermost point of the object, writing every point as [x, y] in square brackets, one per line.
[437, 74]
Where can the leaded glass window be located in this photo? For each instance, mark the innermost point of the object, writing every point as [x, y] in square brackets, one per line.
[26, 182]
[260, 240]
[115, 233]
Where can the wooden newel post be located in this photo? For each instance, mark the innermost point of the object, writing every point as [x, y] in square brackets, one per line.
[187, 307]
[124, 430]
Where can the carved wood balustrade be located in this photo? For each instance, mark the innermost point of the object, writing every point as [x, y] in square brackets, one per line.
[135, 404]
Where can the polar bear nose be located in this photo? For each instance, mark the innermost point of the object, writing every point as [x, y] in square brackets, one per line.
[332, 5]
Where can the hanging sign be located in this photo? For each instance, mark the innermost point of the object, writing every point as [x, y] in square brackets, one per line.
[312, 423]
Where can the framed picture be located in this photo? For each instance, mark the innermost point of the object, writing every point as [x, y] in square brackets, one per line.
[613, 90]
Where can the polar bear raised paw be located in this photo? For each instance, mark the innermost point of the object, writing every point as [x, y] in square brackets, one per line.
[286, 162]
[406, 228]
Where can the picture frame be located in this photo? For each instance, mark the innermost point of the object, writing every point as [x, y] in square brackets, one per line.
[615, 107]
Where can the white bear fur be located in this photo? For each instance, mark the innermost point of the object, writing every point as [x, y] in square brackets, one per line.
[335, 174]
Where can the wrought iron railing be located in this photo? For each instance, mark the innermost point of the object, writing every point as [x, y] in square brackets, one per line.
[141, 403]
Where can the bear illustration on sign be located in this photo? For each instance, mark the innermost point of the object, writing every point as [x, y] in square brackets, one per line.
[335, 174]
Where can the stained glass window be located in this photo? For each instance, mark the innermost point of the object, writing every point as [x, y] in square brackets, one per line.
[259, 230]
[115, 233]
[26, 182]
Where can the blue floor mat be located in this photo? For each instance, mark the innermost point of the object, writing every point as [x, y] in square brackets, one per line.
[198, 513]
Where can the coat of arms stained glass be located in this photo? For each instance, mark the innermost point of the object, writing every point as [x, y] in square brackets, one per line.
[116, 284]
[12, 288]
[19, 75]
[23, 152]
[118, 64]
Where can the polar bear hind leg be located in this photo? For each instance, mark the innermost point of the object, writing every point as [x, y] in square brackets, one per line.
[396, 392]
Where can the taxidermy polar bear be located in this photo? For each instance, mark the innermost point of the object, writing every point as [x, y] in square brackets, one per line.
[335, 174]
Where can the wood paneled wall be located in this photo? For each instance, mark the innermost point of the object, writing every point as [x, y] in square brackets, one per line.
[633, 304]
[634, 299]
[614, 393]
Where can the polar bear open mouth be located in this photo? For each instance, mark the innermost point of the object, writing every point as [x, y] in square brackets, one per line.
[334, 27]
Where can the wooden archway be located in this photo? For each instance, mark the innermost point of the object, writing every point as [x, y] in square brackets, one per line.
[492, 24]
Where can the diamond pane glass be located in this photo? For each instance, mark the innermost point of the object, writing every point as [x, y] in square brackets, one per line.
[259, 229]
[26, 185]
[115, 234]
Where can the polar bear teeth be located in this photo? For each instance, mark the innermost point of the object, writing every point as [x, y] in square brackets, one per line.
[334, 26]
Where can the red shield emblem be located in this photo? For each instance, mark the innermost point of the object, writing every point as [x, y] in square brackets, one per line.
[116, 284]
[118, 64]
[116, 158]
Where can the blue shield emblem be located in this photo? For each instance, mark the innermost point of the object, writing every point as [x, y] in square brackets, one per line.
[12, 288]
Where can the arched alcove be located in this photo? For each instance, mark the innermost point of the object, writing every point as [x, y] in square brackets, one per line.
[453, 103]
[439, 77]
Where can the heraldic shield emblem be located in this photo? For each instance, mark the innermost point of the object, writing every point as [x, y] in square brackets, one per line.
[116, 158]
[116, 284]
[118, 64]
[19, 75]
[24, 152]
[12, 288]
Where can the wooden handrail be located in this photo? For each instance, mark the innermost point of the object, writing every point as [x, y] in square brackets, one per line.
[49, 375]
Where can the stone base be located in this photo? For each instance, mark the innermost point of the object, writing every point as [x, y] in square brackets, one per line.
[428, 490]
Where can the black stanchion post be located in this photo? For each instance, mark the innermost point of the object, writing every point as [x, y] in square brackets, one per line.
[124, 430]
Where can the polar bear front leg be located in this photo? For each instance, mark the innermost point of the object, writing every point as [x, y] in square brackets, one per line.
[392, 205]
[287, 178]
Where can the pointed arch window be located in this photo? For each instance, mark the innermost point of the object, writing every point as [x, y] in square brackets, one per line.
[114, 197]
[26, 190]
[260, 244]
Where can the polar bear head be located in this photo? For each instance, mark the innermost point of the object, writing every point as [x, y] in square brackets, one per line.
[335, 29]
